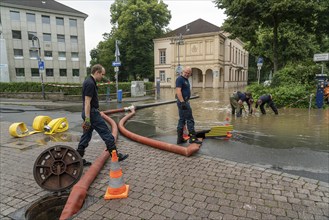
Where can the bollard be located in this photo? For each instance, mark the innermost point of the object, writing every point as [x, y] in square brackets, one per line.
[108, 99]
[157, 91]
[119, 95]
[321, 84]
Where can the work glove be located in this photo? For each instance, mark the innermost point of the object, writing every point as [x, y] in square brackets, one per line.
[86, 125]
[183, 104]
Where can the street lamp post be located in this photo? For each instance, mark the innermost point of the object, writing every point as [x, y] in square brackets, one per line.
[259, 67]
[40, 62]
[179, 41]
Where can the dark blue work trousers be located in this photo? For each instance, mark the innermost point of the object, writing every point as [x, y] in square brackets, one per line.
[98, 124]
[185, 116]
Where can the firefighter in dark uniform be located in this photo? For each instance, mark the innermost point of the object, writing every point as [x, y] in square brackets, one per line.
[92, 119]
[266, 99]
[183, 93]
[236, 101]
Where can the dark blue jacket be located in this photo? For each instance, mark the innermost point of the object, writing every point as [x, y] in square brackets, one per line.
[184, 84]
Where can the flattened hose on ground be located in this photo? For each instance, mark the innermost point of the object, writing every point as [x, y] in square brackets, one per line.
[79, 190]
[19, 129]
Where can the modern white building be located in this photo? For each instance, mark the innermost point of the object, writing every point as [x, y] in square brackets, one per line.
[216, 60]
[46, 29]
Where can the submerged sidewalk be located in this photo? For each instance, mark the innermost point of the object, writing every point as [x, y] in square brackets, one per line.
[164, 185]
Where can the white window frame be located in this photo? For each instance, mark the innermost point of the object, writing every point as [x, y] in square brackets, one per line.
[15, 16]
[30, 17]
[74, 56]
[20, 69]
[73, 22]
[37, 71]
[162, 56]
[60, 37]
[60, 21]
[19, 57]
[33, 54]
[162, 75]
[60, 72]
[46, 53]
[45, 19]
[74, 39]
[73, 73]
[51, 70]
[17, 32]
[60, 55]
[46, 37]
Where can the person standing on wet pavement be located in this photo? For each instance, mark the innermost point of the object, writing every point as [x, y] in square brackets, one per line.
[183, 94]
[266, 99]
[236, 101]
[92, 119]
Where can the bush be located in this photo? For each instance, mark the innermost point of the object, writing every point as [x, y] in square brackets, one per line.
[75, 89]
[292, 86]
[296, 74]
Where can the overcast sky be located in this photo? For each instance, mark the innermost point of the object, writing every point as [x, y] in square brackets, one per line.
[182, 12]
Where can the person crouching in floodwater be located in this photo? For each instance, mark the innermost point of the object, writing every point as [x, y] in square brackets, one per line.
[236, 101]
[263, 100]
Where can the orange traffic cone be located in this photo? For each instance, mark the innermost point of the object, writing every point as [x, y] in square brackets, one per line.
[185, 133]
[116, 188]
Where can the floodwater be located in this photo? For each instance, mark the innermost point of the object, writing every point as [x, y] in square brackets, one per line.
[296, 141]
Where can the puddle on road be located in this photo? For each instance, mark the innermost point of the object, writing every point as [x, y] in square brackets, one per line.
[59, 137]
[30, 143]
[20, 145]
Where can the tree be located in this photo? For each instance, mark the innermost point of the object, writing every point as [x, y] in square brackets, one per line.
[104, 54]
[280, 30]
[138, 22]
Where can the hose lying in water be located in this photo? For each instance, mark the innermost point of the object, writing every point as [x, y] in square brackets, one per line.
[143, 106]
[185, 151]
[79, 190]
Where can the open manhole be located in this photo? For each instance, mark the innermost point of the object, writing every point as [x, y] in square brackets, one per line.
[56, 169]
[47, 208]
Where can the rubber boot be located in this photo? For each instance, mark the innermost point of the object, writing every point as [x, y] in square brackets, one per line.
[194, 139]
[82, 153]
[233, 110]
[180, 139]
[121, 157]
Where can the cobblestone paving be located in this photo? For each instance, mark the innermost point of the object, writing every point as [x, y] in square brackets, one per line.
[164, 185]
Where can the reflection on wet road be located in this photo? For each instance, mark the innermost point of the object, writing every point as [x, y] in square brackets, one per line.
[295, 141]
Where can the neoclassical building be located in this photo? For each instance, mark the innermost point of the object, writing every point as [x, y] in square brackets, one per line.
[48, 28]
[216, 60]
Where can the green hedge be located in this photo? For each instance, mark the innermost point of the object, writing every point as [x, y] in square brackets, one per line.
[17, 87]
[292, 86]
[297, 96]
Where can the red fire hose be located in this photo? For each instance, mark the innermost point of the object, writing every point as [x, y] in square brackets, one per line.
[185, 151]
[79, 190]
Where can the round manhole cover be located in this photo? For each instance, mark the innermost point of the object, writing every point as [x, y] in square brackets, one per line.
[58, 168]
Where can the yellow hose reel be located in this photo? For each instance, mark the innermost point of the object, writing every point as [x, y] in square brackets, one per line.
[40, 124]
